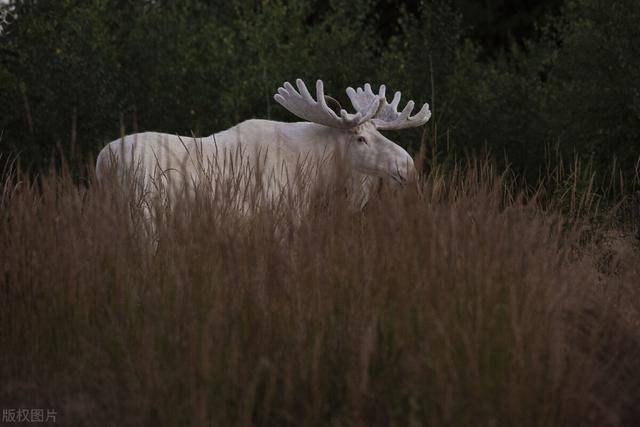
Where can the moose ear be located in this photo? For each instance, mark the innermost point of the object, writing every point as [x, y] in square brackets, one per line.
[333, 104]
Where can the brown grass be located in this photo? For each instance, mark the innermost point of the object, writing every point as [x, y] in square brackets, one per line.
[464, 302]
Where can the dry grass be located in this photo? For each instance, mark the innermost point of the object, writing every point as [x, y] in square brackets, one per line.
[460, 303]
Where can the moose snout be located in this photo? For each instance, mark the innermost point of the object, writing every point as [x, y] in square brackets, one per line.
[399, 177]
[403, 172]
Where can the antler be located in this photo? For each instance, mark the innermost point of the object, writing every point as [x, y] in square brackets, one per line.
[304, 106]
[387, 116]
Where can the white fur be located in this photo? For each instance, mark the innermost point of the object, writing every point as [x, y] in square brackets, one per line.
[270, 151]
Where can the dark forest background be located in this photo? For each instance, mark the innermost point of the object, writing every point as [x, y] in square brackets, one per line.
[519, 79]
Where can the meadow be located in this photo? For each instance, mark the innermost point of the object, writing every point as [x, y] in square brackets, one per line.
[470, 298]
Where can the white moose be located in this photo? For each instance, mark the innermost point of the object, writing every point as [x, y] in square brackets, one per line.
[274, 150]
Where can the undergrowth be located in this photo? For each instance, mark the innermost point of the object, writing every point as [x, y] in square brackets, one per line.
[467, 299]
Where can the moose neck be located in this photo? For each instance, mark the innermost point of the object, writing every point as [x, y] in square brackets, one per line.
[310, 139]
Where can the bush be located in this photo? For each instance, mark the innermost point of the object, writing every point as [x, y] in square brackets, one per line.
[76, 75]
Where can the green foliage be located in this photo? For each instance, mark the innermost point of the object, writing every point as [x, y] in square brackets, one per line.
[198, 66]
[594, 95]
[496, 24]
[574, 89]
[60, 59]
[74, 75]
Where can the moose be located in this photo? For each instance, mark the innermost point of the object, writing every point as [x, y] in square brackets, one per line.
[269, 152]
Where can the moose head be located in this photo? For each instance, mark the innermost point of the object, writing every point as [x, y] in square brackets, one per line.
[365, 149]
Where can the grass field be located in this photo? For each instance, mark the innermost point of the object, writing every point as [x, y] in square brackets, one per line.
[471, 300]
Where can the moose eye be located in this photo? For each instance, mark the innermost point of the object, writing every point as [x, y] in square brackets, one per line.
[362, 140]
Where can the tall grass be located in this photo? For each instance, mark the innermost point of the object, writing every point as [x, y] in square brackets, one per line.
[462, 301]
